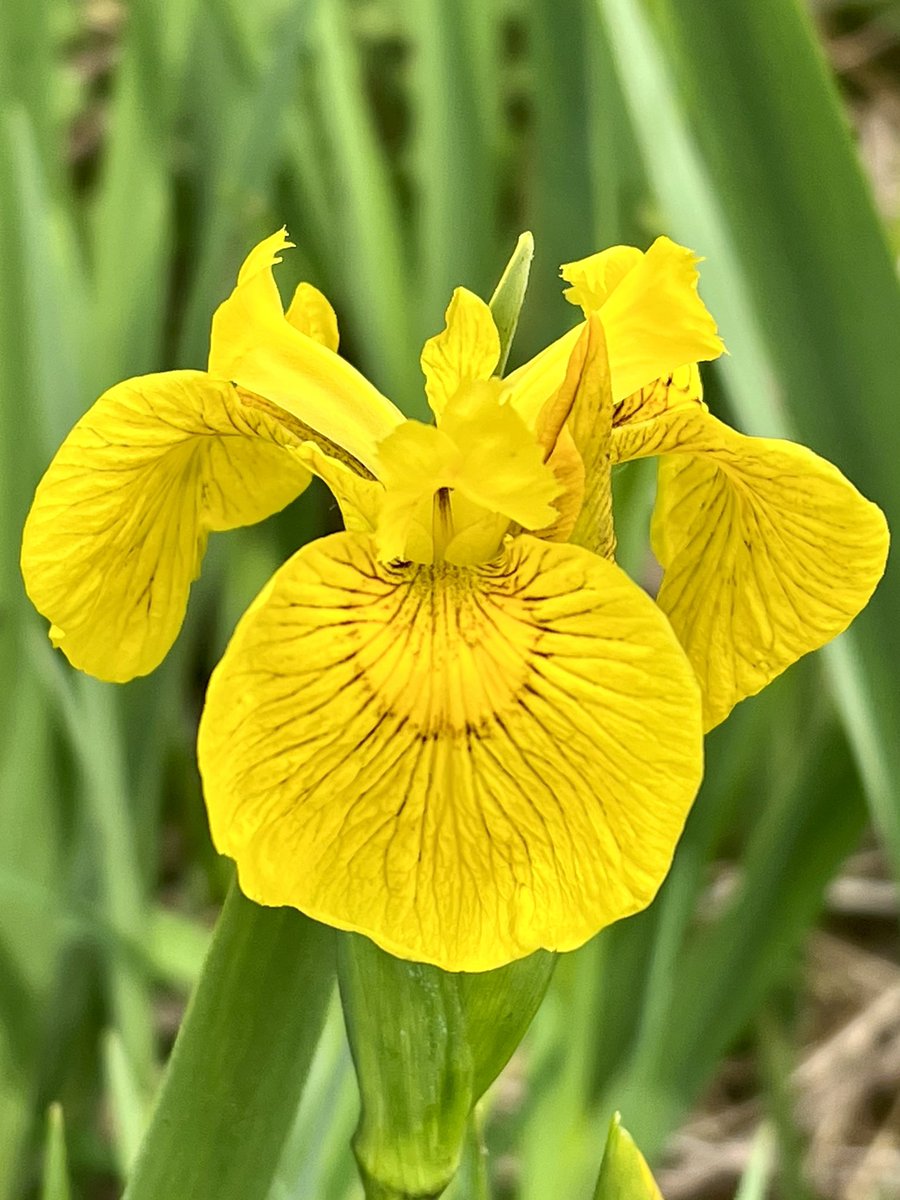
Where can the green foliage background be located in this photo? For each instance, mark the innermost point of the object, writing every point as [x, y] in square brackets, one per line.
[144, 147]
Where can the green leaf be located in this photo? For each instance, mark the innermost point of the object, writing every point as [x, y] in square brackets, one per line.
[239, 1065]
[624, 1175]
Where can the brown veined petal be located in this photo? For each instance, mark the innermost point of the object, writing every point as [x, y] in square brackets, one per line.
[253, 345]
[464, 764]
[465, 351]
[681, 389]
[768, 551]
[119, 521]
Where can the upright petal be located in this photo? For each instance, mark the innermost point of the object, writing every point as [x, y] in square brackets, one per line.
[592, 279]
[465, 351]
[590, 410]
[654, 320]
[310, 312]
[254, 345]
[119, 522]
[462, 764]
[768, 551]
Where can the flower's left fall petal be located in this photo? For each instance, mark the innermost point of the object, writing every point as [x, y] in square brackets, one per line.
[466, 351]
[768, 551]
[119, 522]
[254, 345]
[464, 764]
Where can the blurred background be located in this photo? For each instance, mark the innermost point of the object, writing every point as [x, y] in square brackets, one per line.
[748, 1024]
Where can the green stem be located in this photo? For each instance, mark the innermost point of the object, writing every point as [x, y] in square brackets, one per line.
[237, 1072]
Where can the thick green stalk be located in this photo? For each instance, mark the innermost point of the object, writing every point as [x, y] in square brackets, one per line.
[239, 1065]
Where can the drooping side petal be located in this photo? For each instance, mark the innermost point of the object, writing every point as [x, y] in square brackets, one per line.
[465, 351]
[768, 551]
[254, 345]
[119, 522]
[464, 764]
[654, 320]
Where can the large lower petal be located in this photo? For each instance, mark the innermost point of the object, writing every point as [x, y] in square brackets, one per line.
[119, 522]
[254, 345]
[768, 551]
[464, 764]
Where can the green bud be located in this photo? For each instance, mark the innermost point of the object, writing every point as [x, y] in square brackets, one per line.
[624, 1175]
[426, 1043]
[509, 295]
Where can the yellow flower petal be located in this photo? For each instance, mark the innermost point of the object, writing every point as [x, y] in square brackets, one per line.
[680, 389]
[653, 318]
[593, 278]
[768, 551]
[481, 450]
[465, 351]
[119, 522]
[255, 346]
[311, 313]
[463, 764]
[590, 422]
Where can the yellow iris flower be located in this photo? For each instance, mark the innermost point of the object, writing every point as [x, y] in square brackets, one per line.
[456, 727]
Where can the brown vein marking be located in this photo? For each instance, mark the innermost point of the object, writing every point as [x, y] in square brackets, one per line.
[304, 432]
[672, 391]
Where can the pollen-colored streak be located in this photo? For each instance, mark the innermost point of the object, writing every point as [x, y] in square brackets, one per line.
[465, 764]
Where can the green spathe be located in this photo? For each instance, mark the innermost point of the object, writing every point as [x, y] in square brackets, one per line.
[426, 1044]
[624, 1175]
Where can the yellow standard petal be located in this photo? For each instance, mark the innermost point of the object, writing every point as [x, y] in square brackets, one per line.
[466, 351]
[311, 313]
[653, 318]
[119, 522]
[254, 345]
[768, 551]
[464, 764]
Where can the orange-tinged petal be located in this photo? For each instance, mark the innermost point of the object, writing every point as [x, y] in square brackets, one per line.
[119, 522]
[254, 345]
[464, 764]
[590, 423]
[465, 351]
[768, 551]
